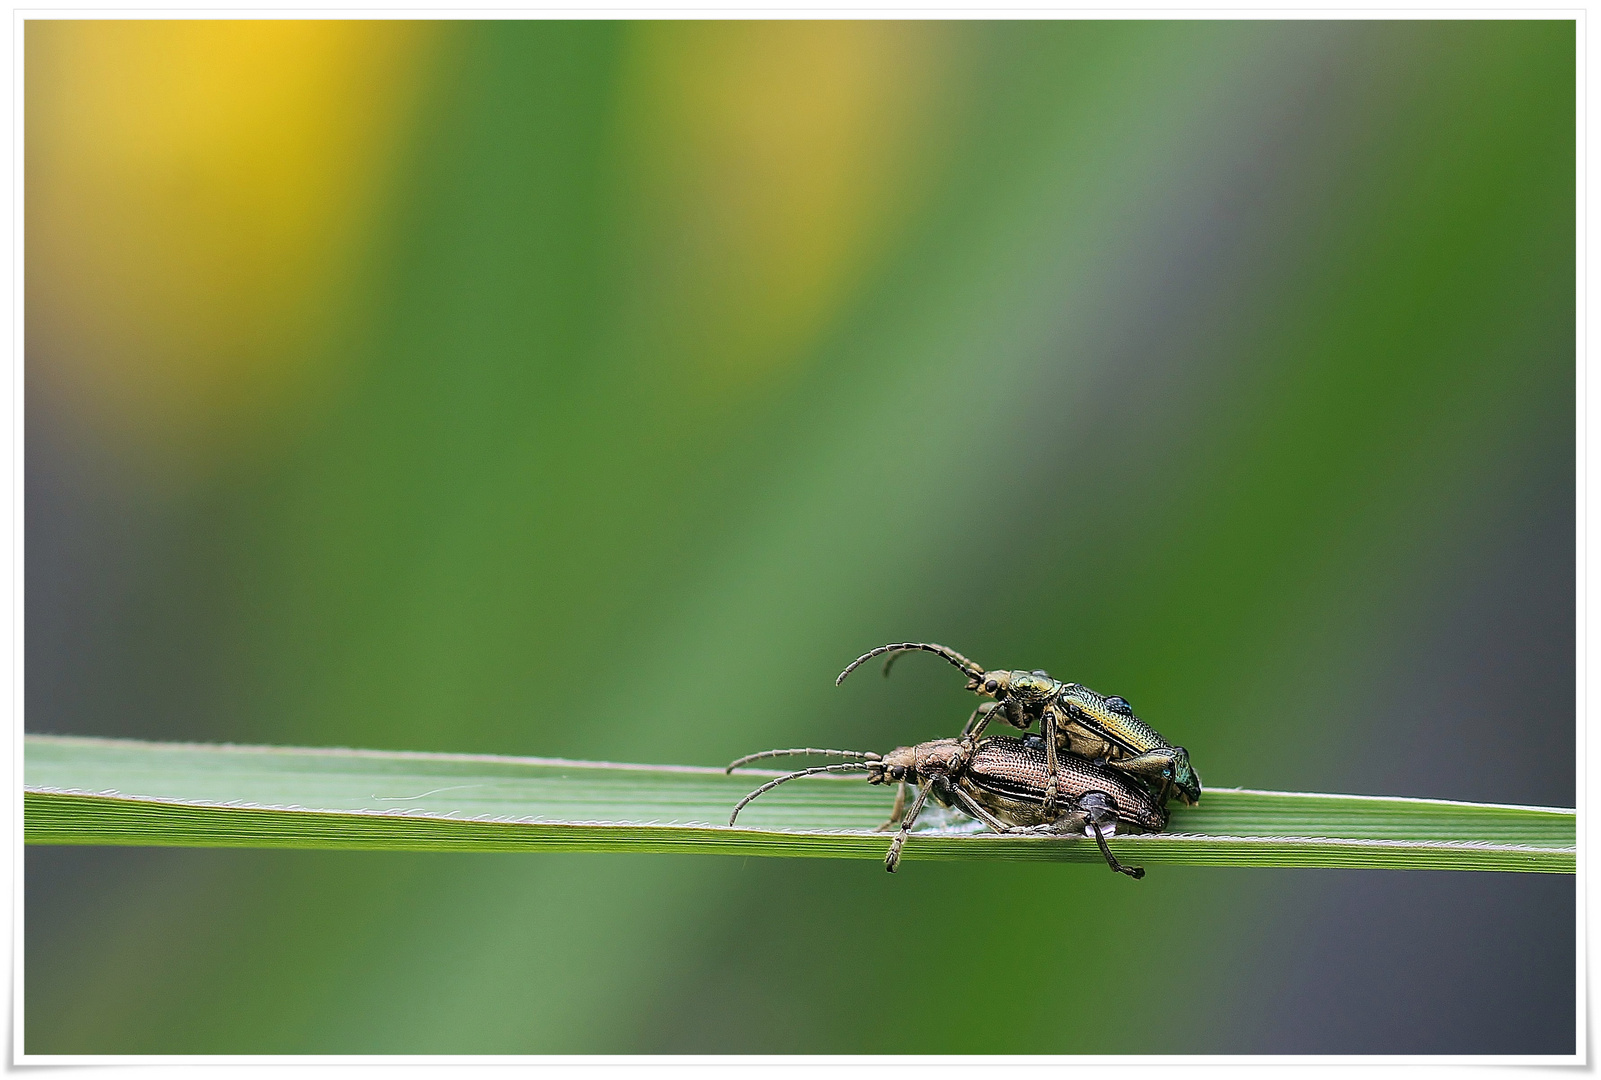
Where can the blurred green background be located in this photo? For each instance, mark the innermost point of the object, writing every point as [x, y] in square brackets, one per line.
[601, 389]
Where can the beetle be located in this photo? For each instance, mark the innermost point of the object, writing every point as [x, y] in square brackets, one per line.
[1072, 717]
[1001, 781]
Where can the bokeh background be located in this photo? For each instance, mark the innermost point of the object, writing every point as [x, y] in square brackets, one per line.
[601, 389]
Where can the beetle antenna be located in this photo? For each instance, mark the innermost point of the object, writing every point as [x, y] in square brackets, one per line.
[861, 755]
[951, 656]
[771, 784]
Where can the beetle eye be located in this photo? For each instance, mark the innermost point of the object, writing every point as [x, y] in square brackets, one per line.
[990, 686]
[1119, 705]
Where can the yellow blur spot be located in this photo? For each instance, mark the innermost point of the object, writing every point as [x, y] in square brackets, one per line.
[769, 164]
[196, 198]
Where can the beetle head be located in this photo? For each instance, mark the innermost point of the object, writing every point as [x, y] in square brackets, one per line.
[995, 684]
[897, 765]
[915, 764]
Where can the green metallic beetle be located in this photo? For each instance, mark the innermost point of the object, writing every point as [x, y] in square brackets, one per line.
[1073, 719]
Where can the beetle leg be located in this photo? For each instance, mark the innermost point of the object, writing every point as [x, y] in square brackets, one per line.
[894, 856]
[1048, 724]
[1098, 811]
[1156, 767]
[1152, 765]
[973, 807]
[977, 722]
[899, 810]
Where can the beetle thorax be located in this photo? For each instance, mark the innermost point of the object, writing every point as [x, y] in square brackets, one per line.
[942, 757]
[1032, 687]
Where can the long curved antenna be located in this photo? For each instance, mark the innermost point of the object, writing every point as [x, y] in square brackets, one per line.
[861, 755]
[771, 784]
[951, 656]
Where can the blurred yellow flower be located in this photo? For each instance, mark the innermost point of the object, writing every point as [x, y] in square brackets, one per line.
[196, 193]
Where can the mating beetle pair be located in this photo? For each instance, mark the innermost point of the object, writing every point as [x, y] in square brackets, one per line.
[1095, 763]
[1072, 718]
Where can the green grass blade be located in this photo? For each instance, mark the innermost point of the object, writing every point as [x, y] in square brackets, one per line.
[109, 791]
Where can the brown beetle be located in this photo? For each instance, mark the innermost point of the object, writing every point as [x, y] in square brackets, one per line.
[1001, 781]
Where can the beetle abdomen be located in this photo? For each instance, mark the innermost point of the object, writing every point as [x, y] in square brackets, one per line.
[1015, 770]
